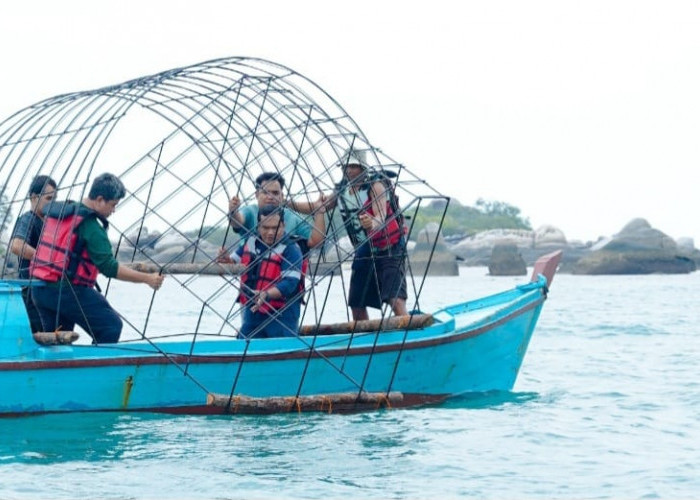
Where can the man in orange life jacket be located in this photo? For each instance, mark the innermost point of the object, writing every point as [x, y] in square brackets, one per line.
[376, 229]
[25, 238]
[270, 285]
[73, 250]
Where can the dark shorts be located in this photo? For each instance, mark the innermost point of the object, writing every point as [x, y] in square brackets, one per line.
[377, 276]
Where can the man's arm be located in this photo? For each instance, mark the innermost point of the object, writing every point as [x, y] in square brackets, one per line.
[154, 280]
[375, 222]
[235, 218]
[99, 249]
[22, 249]
[318, 230]
[20, 236]
[302, 207]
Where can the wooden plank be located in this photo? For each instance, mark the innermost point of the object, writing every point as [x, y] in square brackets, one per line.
[408, 322]
[339, 402]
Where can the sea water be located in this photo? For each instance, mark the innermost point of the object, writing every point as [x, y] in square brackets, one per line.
[607, 405]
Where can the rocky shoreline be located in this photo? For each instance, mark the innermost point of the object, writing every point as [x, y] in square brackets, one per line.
[637, 249]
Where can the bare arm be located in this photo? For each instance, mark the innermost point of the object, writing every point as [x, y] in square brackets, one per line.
[374, 222]
[318, 231]
[235, 219]
[22, 249]
[379, 201]
[302, 207]
[154, 280]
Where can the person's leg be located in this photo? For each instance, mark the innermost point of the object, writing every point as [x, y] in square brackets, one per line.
[398, 306]
[289, 320]
[364, 285]
[34, 319]
[251, 325]
[359, 313]
[94, 314]
[45, 300]
[392, 275]
[56, 306]
[356, 296]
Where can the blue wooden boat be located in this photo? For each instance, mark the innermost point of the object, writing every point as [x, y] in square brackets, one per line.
[207, 130]
[472, 347]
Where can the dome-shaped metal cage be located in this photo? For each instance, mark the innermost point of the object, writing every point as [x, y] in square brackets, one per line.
[184, 142]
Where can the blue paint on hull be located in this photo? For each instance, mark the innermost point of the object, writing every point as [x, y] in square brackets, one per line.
[476, 346]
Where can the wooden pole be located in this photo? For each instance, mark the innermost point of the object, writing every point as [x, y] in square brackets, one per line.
[212, 268]
[339, 402]
[408, 322]
[55, 338]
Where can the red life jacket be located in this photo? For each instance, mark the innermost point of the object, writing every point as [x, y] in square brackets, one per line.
[392, 229]
[60, 253]
[268, 275]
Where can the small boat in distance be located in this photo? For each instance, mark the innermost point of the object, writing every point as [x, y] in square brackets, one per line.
[184, 142]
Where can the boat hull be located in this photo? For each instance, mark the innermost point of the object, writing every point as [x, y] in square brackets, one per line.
[472, 347]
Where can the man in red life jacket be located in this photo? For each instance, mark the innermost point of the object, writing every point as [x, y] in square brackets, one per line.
[72, 251]
[370, 212]
[269, 190]
[270, 285]
[25, 238]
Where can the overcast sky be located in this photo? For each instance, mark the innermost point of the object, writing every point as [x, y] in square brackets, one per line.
[582, 114]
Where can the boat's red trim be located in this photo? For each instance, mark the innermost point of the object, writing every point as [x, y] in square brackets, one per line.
[183, 359]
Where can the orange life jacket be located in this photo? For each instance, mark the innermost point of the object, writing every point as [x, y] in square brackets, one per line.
[60, 253]
[269, 273]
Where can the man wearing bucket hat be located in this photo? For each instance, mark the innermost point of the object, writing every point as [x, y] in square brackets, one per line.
[375, 226]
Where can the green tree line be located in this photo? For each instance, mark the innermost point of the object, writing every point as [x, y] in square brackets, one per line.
[466, 220]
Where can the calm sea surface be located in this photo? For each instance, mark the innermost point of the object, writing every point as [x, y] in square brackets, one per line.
[607, 405]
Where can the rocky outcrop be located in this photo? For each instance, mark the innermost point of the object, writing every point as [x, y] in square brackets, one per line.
[476, 250]
[636, 249]
[430, 254]
[506, 261]
[168, 248]
[686, 248]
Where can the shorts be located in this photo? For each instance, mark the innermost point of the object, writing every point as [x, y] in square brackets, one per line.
[378, 276]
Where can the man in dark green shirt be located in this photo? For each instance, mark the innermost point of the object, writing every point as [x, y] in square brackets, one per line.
[69, 265]
[25, 237]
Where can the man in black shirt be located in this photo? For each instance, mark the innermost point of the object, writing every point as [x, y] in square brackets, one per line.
[26, 234]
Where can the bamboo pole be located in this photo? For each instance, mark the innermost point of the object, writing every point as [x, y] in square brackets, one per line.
[212, 268]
